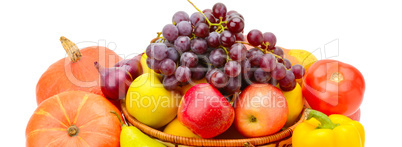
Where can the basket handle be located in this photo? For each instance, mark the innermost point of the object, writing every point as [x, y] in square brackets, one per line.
[248, 144]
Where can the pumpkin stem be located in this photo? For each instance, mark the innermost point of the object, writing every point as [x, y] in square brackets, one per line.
[121, 122]
[71, 49]
[72, 130]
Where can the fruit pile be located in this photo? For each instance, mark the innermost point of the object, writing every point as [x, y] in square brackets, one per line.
[211, 44]
[201, 77]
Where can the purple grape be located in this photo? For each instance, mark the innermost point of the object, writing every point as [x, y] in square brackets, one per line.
[253, 52]
[255, 60]
[213, 39]
[232, 68]
[235, 25]
[227, 38]
[261, 76]
[170, 32]
[278, 51]
[290, 88]
[180, 16]
[245, 66]
[196, 18]
[207, 11]
[182, 44]
[238, 52]
[153, 64]
[167, 67]
[209, 74]
[234, 15]
[219, 10]
[173, 54]
[279, 72]
[272, 81]
[255, 37]
[213, 28]
[183, 74]
[231, 12]
[184, 28]
[157, 51]
[210, 17]
[201, 30]
[233, 85]
[268, 62]
[199, 46]
[188, 59]
[247, 77]
[170, 82]
[198, 72]
[217, 57]
[298, 71]
[239, 37]
[218, 79]
[270, 38]
[288, 79]
[288, 65]
[149, 51]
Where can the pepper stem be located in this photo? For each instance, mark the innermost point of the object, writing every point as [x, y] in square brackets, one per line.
[326, 123]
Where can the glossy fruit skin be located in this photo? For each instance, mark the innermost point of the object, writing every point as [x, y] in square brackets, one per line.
[324, 92]
[264, 102]
[267, 104]
[133, 137]
[205, 111]
[178, 129]
[147, 98]
[294, 98]
[50, 121]
[133, 66]
[355, 116]
[66, 75]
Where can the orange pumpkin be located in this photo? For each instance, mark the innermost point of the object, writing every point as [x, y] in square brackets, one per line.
[75, 72]
[74, 118]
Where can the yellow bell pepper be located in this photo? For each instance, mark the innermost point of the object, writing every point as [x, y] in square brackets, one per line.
[322, 131]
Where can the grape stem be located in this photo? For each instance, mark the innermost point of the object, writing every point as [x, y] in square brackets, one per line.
[227, 53]
[220, 26]
[158, 37]
[265, 51]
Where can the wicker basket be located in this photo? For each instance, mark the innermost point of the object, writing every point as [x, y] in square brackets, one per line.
[282, 138]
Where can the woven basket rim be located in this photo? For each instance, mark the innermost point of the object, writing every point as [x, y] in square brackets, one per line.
[179, 140]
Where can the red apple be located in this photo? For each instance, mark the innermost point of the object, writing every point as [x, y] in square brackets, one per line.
[205, 111]
[261, 110]
[355, 116]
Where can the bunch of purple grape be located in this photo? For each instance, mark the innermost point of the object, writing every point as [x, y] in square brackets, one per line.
[210, 44]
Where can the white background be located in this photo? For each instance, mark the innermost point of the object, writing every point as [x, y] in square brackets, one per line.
[368, 35]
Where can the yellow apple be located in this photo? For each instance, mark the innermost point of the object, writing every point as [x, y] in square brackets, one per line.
[150, 103]
[178, 129]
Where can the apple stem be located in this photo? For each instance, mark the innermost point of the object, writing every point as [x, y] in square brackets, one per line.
[326, 123]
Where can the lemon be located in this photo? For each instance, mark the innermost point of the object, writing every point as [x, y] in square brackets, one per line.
[294, 99]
